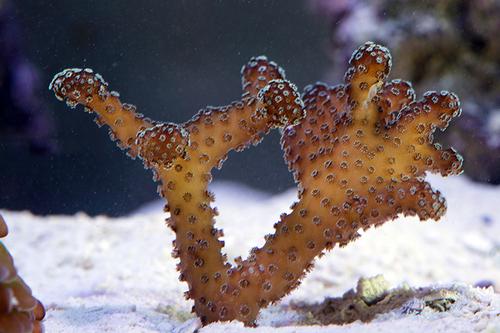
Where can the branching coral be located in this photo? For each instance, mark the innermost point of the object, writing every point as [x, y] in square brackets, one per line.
[20, 312]
[358, 151]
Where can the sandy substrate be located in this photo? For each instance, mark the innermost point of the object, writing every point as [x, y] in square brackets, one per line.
[117, 275]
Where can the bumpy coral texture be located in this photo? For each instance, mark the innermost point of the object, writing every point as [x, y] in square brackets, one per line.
[452, 45]
[358, 151]
[20, 312]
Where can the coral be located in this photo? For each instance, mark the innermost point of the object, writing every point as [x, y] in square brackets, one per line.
[452, 45]
[358, 151]
[20, 312]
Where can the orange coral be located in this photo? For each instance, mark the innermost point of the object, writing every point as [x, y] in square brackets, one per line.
[20, 312]
[358, 151]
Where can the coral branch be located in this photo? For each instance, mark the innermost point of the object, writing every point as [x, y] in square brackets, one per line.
[357, 151]
[370, 65]
[182, 157]
[83, 86]
[415, 124]
[20, 312]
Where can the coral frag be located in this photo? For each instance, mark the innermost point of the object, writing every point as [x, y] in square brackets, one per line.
[358, 151]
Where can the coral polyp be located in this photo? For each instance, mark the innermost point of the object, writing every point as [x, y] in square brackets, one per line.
[358, 151]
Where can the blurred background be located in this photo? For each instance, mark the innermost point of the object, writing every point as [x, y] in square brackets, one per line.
[171, 58]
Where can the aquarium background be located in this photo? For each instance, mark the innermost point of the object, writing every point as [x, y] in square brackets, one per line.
[171, 58]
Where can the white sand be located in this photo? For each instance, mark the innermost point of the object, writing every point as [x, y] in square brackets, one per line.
[117, 275]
